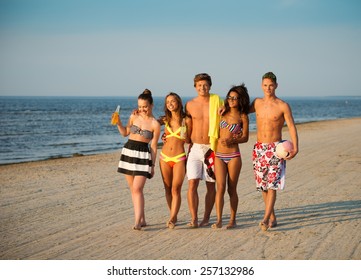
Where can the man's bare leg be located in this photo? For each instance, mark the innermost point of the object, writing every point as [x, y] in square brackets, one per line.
[269, 198]
[209, 202]
[193, 201]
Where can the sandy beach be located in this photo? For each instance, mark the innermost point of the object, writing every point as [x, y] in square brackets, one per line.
[80, 208]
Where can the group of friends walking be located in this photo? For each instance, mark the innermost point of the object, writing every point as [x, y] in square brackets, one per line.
[213, 128]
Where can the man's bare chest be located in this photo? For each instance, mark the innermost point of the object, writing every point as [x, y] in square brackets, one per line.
[200, 112]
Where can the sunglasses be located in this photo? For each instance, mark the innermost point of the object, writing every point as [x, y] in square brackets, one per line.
[232, 98]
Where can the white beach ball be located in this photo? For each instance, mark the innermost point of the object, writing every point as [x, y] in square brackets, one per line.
[284, 148]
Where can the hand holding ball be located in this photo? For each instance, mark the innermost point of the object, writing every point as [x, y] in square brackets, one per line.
[284, 148]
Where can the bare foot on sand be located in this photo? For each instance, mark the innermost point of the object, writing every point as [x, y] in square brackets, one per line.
[204, 223]
[170, 225]
[264, 226]
[231, 224]
[217, 225]
[193, 224]
[272, 224]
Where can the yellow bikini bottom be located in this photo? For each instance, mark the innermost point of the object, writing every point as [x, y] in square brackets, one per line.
[172, 160]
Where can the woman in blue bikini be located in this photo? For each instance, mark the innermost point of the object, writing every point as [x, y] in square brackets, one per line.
[233, 130]
[173, 157]
[138, 155]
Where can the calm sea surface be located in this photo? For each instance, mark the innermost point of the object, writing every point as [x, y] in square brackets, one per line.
[37, 128]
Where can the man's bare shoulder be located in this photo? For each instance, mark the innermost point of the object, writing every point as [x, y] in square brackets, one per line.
[190, 102]
[193, 103]
[281, 103]
[256, 101]
[189, 107]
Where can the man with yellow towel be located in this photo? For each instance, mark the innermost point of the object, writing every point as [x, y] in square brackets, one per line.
[203, 123]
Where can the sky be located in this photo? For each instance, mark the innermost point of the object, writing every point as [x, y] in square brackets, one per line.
[121, 47]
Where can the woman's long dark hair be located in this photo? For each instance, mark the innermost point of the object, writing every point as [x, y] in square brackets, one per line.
[243, 99]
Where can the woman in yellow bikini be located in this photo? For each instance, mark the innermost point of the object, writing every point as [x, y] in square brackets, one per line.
[233, 130]
[173, 157]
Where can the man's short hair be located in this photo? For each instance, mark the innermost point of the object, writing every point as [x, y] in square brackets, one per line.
[202, 77]
[271, 76]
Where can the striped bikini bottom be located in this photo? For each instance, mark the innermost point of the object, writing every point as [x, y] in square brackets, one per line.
[226, 157]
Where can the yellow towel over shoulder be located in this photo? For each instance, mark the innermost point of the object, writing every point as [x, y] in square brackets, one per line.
[214, 118]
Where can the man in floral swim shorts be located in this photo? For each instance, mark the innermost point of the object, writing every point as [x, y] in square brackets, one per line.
[269, 170]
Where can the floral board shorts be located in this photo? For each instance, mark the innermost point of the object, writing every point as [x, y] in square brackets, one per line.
[269, 170]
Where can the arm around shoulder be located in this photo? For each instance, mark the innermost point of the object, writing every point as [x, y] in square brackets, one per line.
[252, 108]
[245, 129]
[154, 141]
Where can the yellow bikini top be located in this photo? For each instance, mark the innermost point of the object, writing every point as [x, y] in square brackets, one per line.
[180, 133]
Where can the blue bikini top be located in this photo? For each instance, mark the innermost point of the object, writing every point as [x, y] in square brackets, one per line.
[145, 133]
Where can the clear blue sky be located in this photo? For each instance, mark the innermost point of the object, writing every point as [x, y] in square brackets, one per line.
[120, 47]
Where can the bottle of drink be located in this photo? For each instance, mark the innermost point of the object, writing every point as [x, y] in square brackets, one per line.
[115, 116]
[183, 130]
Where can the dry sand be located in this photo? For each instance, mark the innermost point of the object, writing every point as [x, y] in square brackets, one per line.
[80, 208]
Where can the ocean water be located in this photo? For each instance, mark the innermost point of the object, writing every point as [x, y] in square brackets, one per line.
[38, 128]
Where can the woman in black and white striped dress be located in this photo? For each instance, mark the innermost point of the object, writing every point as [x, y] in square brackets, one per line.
[138, 155]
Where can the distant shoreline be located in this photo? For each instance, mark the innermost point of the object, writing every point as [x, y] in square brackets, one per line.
[159, 145]
[162, 96]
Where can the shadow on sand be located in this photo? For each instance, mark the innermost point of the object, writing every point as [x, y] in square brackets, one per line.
[307, 215]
